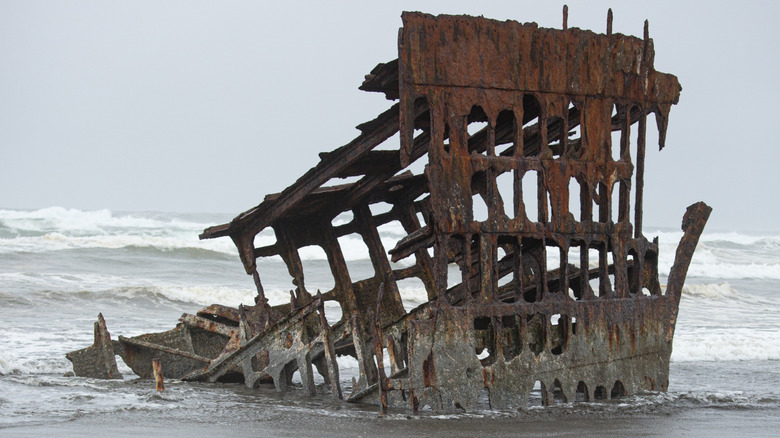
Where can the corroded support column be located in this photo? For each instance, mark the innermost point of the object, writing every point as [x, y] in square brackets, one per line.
[378, 255]
[338, 267]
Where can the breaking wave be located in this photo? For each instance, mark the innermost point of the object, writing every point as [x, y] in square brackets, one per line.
[727, 255]
[718, 344]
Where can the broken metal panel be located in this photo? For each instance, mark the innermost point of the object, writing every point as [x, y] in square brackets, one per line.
[557, 284]
[97, 360]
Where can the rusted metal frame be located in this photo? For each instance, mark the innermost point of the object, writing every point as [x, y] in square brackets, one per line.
[453, 240]
[260, 299]
[624, 207]
[338, 266]
[693, 223]
[374, 133]
[625, 131]
[519, 210]
[382, 218]
[244, 227]
[292, 259]
[351, 227]
[403, 185]
[330, 351]
[267, 251]
[467, 255]
[619, 256]
[408, 218]
[650, 273]
[487, 267]
[319, 191]
[610, 311]
[495, 213]
[209, 325]
[564, 267]
[585, 290]
[422, 238]
[471, 275]
[384, 79]
[531, 138]
[376, 252]
[541, 198]
[382, 128]
[468, 266]
[563, 133]
[418, 52]
[644, 267]
[162, 348]
[341, 230]
[604, 204]
[364, 187]
[218, 312]
[640, 173]
[641, 246]
[543, 216]
[367, 368]
[332, 200]
[518, 267]
[605, 286]
[247, 350]
[635, 267]
[378, 335]
[404, 273]
[588, 313]
[554, 284]
[441, 267]
[371, 162]
[624, 211]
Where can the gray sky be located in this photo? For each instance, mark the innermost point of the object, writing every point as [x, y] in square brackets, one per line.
[198, 106]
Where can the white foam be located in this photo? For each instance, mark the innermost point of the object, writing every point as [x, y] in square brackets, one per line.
[56, 241]
[728, 255]
[412, 292]
[60, 282]
[710, 291]
[62, 219]
[721, 344]
[734, 271]
[56, 228]
[718, 322]
[205, 295]
[673, 237]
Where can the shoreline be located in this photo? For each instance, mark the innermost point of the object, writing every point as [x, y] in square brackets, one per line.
[684, 422]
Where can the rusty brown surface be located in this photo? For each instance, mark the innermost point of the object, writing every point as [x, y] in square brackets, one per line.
[557, 286]
[158, 374]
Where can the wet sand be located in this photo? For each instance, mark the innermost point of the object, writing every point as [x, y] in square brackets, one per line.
[693, 422]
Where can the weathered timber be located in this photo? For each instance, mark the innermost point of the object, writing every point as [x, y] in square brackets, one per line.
[520, 229]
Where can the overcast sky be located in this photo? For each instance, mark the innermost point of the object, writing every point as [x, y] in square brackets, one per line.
[207, 106]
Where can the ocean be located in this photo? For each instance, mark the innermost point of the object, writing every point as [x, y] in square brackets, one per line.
[60, 267]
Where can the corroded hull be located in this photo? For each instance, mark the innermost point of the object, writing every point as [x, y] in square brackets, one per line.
[534, 141]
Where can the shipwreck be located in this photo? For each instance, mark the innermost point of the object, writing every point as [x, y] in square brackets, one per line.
[533, 141]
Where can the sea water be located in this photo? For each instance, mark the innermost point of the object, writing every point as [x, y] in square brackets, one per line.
[60, 267]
